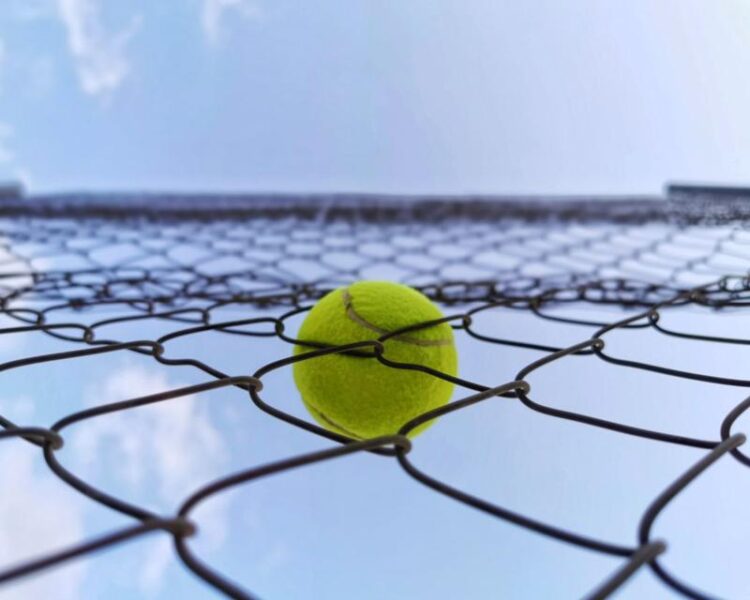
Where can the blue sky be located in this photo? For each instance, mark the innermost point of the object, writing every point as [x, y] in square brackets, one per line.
[484, 96]
[417, 96]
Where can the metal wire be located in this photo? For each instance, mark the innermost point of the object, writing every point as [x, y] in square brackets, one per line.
[183, 262]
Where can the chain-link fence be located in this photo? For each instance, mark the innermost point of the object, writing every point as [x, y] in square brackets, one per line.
[185, 260]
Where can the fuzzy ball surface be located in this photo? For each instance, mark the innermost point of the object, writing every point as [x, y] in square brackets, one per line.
[360, 397]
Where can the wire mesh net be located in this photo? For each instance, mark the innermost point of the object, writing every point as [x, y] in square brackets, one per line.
[191, 262]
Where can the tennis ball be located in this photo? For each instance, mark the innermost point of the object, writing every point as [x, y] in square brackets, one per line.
[360, 397]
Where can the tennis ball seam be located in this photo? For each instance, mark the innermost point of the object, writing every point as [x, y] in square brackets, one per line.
[353, 315]
[330, 421]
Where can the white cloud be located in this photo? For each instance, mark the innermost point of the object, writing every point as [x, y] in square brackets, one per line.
[23, 176]
[100, 57]
[20, 409]
[39, 516]
[176, 443]
[215, 11]
[8, 163]
[167, 450]
[157, 558]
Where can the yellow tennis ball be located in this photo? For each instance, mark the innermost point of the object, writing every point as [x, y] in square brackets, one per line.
[360, 397]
